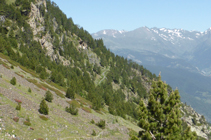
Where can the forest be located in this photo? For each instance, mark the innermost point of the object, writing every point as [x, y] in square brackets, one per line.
[125, 82]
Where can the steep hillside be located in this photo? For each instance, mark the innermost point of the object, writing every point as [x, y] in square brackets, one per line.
[181, 56]
[58, 124]
[44, 54]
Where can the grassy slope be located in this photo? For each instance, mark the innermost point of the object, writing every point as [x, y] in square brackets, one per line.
[61, 125]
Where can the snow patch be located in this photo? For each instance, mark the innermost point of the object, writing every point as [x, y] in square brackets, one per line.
[122, 31]
[155, 31]
[104, 32]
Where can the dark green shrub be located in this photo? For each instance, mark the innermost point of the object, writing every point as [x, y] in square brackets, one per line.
[12, 67]
[13, 81]
[72, 109]
[101, 124]
[92, 121]
[18, 107]
[43, 108]
[29, 90]
[70, 93]
[48, 96]
[94, 133]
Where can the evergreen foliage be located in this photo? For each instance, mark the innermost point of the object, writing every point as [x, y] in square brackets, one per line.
[13, 81]
[18, 107]
[101, 124]
[81, 74]
[94, 133]
[72, 109]
[161, 118]
[29, 90]
[70, 93]
[48, 96]
[43, 108]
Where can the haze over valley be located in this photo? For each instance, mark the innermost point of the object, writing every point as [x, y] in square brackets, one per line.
[182, 56]
[59, 82]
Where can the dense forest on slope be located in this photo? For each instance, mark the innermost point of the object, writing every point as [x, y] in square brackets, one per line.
[72, 59]
[17, 41]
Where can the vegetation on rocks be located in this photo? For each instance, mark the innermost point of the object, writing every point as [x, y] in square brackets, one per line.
[72, 109]
[161, 118]
[51, 58]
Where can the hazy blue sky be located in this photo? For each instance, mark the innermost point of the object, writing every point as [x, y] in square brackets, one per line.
[96, 15]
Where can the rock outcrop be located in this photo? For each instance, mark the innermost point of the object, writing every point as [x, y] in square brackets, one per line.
[196, 121]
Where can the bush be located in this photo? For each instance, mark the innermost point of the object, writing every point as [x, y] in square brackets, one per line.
[29, 90]
[48, 96]
[70, 93]
[94, 133]
[101, 124]
[43, 108]
[92, 121]
[13, 81]
[18, 107]
[72, 109]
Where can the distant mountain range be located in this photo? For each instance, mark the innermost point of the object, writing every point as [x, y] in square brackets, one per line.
[182, 56]
[169, 47]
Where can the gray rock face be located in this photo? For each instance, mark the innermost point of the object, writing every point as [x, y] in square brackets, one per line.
[200, 126]
[36, 22]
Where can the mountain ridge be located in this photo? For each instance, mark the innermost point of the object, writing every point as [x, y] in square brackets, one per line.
[173, 43]
[95, 93]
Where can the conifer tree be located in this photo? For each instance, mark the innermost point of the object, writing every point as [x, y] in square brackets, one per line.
[43, 107]
[161, 118]
[48, 96]
[70, 93]
[13, 81]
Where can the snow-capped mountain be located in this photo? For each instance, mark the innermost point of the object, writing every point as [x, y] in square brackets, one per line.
[112, 33]
[168, 44]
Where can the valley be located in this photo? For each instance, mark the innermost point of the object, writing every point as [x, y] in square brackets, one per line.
[58, 82]
[181, 56]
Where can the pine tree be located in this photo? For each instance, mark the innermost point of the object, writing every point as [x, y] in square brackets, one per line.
[161, 118]
[70, 93]
[43, 108]
[48, 96]
[13, 81]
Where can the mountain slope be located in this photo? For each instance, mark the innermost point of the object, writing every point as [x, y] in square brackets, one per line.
[177, 53]
[44, 50]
